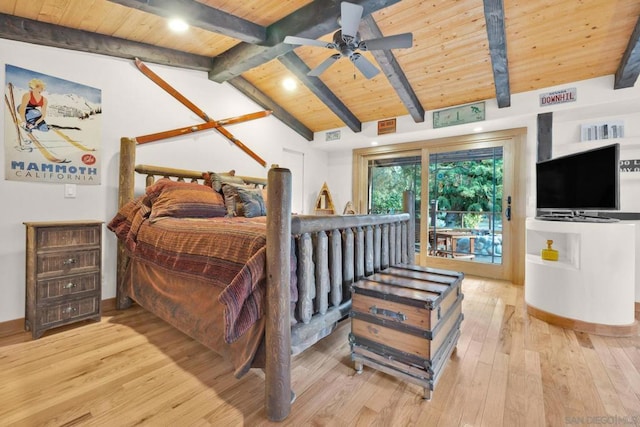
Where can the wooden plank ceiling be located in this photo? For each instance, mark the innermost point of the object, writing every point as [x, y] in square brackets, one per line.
[463, 51]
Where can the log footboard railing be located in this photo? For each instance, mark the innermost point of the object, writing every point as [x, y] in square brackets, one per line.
[333, 252]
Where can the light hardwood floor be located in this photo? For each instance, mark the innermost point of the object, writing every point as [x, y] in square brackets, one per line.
[509, 370]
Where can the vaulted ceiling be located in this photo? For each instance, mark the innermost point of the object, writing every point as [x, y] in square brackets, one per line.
[463, 51]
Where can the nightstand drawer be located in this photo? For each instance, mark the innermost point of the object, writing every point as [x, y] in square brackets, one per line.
[69, 262]
[68, 285]
[65, 312]
[51, 238]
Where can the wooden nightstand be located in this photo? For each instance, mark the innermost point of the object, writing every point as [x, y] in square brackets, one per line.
[63, 275]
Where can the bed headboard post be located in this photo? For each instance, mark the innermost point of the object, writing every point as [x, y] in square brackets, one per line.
[127, 170]
[278, 327]
[125, 194]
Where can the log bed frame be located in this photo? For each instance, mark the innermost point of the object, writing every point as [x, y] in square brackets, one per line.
[332, 251]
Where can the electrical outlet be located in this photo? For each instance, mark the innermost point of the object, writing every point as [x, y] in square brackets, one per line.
[70, 191]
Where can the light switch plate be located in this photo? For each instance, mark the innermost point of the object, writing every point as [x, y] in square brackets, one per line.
[70, 191]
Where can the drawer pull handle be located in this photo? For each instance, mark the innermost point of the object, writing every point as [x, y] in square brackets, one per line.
[69, 310]
[69, 261]
[399, 316]
[70, 285]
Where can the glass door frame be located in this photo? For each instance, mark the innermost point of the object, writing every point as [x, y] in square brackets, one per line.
[513, 142]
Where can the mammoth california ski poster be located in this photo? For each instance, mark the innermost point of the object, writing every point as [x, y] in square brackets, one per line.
[52, 129]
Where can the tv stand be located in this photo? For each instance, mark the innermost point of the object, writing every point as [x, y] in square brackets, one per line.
[591, 287]
[574, 216]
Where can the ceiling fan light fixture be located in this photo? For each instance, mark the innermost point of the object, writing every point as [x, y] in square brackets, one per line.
[347, 42]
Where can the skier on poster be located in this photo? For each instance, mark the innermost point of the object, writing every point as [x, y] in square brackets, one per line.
[33, 107]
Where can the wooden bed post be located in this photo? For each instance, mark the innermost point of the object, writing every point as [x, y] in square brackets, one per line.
[278, 394]
[125, 194]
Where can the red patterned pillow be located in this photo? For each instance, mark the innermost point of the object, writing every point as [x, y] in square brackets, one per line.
[184, 200]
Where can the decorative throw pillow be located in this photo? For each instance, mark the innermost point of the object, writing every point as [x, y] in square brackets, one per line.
[252, 201]
[232, 201]
[186, 200]
[153, 191]
[217, 180]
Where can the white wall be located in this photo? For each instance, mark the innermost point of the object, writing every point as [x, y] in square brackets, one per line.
[133, 105]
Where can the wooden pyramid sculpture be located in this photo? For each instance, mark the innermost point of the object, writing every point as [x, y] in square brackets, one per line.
[324, 202]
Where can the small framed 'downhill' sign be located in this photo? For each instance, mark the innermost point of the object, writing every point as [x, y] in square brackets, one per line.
[386, 126]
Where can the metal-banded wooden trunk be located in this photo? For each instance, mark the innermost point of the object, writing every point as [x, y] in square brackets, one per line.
[405, 321]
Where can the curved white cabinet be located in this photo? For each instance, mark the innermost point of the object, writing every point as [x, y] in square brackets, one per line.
[592, 285]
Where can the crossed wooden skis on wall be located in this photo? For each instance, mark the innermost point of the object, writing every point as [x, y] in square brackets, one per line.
[208, 124]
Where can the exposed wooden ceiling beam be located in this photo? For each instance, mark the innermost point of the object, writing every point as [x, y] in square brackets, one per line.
[267, 103]
[201, 16]
[390, 67]
[312, 21]
[300, 69]
[629, 68]
[42, 33]
[494, 17]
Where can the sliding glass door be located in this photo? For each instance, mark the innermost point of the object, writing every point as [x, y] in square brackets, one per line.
[464, 191]
[465, 204]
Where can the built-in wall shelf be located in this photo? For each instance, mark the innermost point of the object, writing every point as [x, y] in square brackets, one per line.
[592, 285]
[567, 245]
[568, 123]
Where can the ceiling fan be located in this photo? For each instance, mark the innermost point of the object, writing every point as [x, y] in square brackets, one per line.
[347, 42]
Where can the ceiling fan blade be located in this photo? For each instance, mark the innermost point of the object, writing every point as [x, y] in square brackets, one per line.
[390, 42]
[364, 65]
[306, 42]
[324, 65]
[350, 15]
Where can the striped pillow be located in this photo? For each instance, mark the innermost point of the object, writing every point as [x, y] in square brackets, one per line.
[185, 200]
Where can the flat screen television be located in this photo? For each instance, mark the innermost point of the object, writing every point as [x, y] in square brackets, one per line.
[584, 181]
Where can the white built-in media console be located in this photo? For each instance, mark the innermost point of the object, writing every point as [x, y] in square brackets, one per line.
[591, 287]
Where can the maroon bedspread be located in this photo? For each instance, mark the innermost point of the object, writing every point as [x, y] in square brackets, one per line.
[229, 252]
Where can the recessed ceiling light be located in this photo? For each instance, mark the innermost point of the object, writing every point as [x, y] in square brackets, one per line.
[178, 25]
[289, 84]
